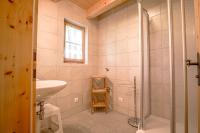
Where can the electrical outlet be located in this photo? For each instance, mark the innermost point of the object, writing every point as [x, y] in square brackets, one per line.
[76, 100]
[120, 99]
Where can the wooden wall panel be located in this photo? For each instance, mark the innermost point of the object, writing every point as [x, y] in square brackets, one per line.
[16, 18]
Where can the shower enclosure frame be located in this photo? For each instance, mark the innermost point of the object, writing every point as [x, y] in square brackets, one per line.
[140, 41]
[171, 63]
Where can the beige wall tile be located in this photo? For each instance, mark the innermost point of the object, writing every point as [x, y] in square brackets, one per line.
[47, 24]
[123, 59]
[64, 103]
[46, 57]
[48, 8]
[47, 40]
[156, 40]
[118, 36]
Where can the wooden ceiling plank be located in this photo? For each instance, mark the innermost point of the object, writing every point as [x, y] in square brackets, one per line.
[85, 4]
[102, 6]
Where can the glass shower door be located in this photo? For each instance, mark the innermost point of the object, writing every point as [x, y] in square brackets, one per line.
[155, 98]
[185, 89]
[173, 86]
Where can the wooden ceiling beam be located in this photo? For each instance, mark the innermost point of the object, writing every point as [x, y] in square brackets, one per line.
[102, 6]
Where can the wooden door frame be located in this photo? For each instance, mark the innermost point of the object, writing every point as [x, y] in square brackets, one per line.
[34, 54]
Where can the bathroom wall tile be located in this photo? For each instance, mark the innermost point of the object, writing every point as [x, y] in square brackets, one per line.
[47, 24]
[159, 60]
[47, 57]
[102, 60]
[102, 50]
[80, 100]
[166, 91]
[163, 7]
[123, 74]
[157, 92]
[134, 59]
[165, 76]
[165, 59]
[156, 75]
[87, 99]
[64, 73]
[111, 60]
[78, 73]
[156, 58]
[118, 35]
[133, 44]
[155, 23]
[165, 39]
[86, 85]
[111, 48]
[121, 34]
[112, 35]
[101, 70]
[166, 111]
[77, 86]
[93, 60]
[93, 49]
[154, 11]
[48, 8]
[64, 103]
[156, 40]
[164, 20]
[46, 72]
[89, 71]
[123, 59]
[132, 30]
[122, 46]
[124, 102]
[47, 40]
[111, 74]
[156, 110]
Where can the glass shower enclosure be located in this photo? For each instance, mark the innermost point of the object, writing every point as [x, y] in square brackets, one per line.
[168, 87]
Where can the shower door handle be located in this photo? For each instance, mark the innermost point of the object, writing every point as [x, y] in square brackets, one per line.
[190, 63]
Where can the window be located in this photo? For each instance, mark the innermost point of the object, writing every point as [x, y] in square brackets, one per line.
[74, 50]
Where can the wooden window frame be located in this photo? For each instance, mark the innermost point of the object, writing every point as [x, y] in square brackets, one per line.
[68, 60]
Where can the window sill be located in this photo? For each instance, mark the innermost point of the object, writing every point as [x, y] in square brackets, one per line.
[74, 61]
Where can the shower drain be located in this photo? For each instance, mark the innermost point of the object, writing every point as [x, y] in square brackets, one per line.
[134, 121]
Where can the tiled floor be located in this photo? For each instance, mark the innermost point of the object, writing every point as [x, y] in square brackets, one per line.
[99, 122]
[112, 122]
[157, 125]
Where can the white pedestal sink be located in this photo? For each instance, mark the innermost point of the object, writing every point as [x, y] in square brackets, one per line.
[47, 88]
